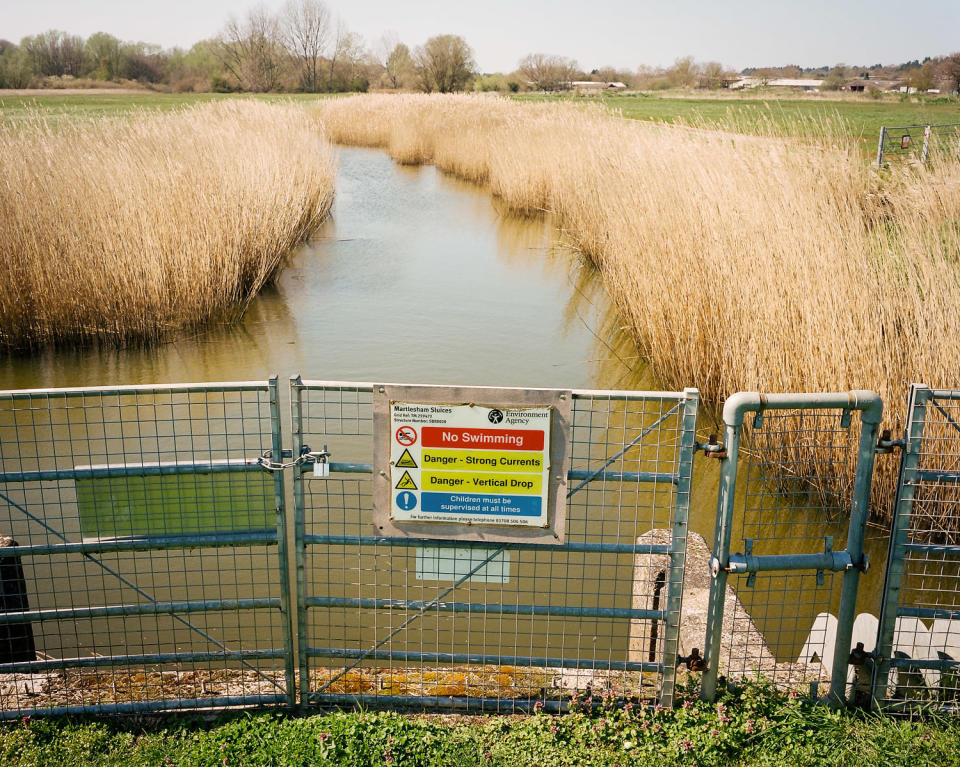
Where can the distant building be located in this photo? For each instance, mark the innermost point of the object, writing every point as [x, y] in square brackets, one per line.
[592, 86]
[753, 82]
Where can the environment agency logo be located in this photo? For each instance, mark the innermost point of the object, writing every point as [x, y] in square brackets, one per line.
[495, 416]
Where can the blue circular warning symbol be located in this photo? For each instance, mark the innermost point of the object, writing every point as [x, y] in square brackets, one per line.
[406, 501]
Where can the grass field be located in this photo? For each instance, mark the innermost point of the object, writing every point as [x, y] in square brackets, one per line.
[752, 728]
[106, 104]
[863, 117]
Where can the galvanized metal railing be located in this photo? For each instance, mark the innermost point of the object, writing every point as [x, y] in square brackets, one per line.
[145, 565]
[918, 650]
[146, 551]
[464, 625]
[787, 509]
[918, 142]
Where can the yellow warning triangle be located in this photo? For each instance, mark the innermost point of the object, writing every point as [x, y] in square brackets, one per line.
[406, 461]
[406, 482]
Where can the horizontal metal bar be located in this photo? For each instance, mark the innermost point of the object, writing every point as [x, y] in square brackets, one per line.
[148, 705]
[933, 548]
[486, 660]
[622, 476]
[668, 396]
[631, 396]
[452, 702]
[114, 470]
[929, 613]
[182, 388]
[570, 546]
[266, 537]
[868, 402]
[151, 659]
[574, 474]
[939, 665]
[835, 561]
[940, 477]
[150, 608]
[945, 393]
[487, 608]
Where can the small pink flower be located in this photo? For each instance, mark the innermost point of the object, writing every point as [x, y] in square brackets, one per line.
[748, 727]
[324, 736]
[658, 708]
[553, 730]
[715, 733]
[687, 704]
[538, 706]
[686, 745]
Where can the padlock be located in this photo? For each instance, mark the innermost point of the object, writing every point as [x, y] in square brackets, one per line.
[321, 469]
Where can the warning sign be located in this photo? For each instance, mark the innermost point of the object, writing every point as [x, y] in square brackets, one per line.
[471, 463]
[406, 461]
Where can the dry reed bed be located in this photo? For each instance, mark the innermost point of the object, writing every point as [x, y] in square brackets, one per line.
[126, 229]
[737, 263]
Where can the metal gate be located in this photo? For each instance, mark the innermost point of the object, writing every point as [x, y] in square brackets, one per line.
[144, 564]
[918, 142]
[919, 642]
[805, 460]
[462, 625]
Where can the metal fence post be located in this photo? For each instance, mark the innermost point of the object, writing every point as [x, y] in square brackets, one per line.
[860, 509]
[296, 412]
[899, 531]
[721, 547]
[926, 144]
[282, 548]
[883, 137]
[678, 547]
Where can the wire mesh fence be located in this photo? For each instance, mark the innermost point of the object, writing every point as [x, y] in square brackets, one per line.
[794, 510]
[920, 623]
[502, 626]
[144, 563]
[918, 142]
[139, 560]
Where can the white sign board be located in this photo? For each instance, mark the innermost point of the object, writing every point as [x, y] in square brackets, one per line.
[470, 463]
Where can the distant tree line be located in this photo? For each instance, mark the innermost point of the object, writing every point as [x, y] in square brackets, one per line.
[305, 48]
[301, 48]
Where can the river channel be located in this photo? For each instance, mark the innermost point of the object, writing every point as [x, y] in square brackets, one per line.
[415, 277]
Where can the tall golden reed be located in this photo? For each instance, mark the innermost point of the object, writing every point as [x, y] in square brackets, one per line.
[739, 263]
[125, 229]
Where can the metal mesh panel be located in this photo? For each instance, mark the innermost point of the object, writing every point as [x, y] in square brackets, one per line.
[793, 508]
[144, 574]
[796, 489]
[918, 142]
[455, 624]
[922, 596]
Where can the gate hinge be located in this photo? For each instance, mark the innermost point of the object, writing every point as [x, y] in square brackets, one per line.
[712, 448]
[887, 445]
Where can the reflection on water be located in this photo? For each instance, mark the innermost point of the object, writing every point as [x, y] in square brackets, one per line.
[416, 277]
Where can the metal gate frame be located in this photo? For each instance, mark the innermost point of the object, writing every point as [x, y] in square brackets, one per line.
[913, 475]
[850, 561]
[686, 407]
[149, 605]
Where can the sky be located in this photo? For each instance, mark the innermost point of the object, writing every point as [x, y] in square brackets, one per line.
[618, 33]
